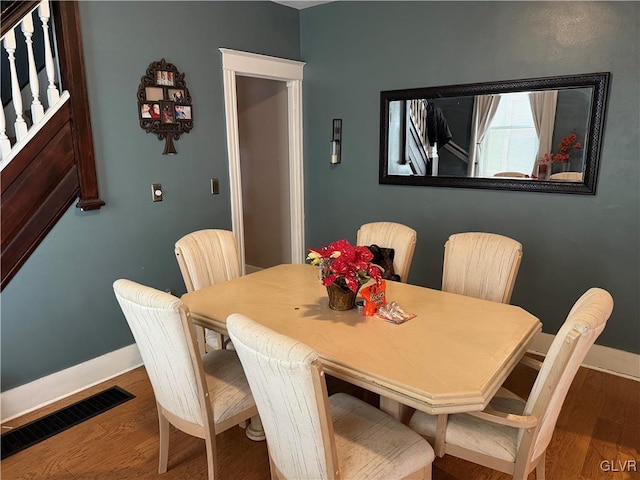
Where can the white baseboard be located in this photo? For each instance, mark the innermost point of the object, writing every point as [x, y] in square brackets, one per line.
[606, 359]
[46, 390]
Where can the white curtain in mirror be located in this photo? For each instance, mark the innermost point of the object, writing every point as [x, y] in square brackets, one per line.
[484, 108]
[543, 107]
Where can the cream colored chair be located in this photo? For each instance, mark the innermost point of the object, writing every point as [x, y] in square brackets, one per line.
[313, 436]
[510, 174]
[567, 176]
[391, 235]
[207, 257]
[481, 265]
[512, 435]
[201, 396]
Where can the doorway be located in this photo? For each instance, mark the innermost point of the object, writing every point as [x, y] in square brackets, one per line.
[287, 73]
[264, 171]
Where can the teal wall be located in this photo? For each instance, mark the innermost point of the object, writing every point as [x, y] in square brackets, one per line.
[354, 50]
[59, 310]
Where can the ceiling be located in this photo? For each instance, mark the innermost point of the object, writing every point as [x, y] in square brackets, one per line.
[300, 4]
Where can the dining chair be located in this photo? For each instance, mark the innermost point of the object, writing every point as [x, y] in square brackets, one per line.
[568, 176]
[481, 265]
[200, 395]
[512, 435]
[391, 235]
[311, 435]
[207, 257]
[511, 174]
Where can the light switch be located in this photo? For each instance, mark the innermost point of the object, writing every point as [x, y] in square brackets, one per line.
[156, 192]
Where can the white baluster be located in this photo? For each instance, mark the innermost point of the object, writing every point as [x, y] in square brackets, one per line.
[10, 47]
[53, 95]
[5, 143]
[37, 110]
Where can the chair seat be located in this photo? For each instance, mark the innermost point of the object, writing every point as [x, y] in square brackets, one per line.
[475, 434]
[226, 383]
[372, 444]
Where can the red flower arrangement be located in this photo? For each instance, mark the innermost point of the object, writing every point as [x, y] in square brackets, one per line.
[565, 146]
[345, 265]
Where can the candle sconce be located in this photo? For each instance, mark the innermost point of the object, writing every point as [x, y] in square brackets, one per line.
[336, 141]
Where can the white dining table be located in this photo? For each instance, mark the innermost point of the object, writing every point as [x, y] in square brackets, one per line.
[452, 357]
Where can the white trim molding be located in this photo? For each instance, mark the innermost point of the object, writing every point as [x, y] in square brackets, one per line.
[606, 359]
[246, 64]
[54, 387]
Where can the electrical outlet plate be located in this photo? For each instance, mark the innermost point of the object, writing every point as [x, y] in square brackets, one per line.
[156, 192]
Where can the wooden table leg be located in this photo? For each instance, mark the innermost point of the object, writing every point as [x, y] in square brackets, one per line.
[396, 409]
[254, 430]
[441, 429]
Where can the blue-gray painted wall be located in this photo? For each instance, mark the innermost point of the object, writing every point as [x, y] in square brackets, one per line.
[59, 310]
[354, 50]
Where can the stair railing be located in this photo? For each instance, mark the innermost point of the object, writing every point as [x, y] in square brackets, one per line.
[19, 130]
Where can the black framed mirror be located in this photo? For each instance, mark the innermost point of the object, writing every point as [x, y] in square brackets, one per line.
[538, 135]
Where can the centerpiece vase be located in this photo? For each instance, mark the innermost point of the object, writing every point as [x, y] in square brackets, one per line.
[341, 297]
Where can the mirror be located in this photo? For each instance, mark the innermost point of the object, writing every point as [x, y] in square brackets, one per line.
[539, 135]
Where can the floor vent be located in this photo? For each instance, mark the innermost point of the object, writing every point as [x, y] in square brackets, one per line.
[34, 432]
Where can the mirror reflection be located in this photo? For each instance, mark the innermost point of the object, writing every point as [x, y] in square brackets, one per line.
[526, 135]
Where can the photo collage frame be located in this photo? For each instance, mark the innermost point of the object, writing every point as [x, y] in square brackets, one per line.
[164, 103]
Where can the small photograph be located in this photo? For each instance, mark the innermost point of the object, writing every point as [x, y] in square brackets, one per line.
[164, 77]
[177, 95]
[154, 93]
[183, 112]
[167, 113]
[145, 110]
[155, 110]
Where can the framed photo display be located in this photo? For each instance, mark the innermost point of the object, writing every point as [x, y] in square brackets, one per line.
[164, 104]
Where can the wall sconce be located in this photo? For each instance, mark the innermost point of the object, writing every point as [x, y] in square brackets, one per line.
[336, 140]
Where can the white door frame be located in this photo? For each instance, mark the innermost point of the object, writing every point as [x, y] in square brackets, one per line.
[246, 64]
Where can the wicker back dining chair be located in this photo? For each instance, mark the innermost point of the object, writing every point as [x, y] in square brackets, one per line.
[512, 435]
[201, 396]
[207, 257]
[481, 265]
[313, 436]
[391, 235]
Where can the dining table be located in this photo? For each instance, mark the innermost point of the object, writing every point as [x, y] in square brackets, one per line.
[451, 357]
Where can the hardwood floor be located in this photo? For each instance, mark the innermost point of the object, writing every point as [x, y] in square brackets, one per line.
[600, 422]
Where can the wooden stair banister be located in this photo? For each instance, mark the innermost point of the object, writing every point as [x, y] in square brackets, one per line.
[61, 153]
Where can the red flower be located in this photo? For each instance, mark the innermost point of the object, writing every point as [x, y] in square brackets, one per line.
[344, 264]
[565, 145]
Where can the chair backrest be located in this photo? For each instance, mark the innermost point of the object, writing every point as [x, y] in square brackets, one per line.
[572, 176]
[160, 326]
[391, 235]
[510, 174]
[207, 257]
[289, 389]
[583, 325]
[481, 265]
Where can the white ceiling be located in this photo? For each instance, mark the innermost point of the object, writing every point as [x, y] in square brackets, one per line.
[300, 4]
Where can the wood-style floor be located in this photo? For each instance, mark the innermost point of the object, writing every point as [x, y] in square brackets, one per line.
[600, 422]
